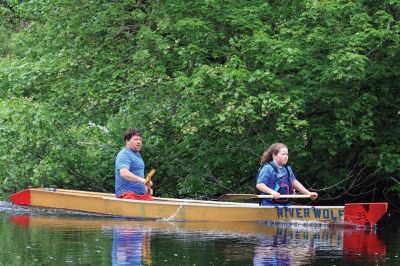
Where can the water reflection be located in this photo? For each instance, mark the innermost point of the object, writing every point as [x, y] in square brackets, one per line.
[357, 243]
[152, 243]
[282, 248]
[300, 245]
[131, 246]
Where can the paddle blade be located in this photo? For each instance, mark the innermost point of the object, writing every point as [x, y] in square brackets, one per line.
[150, 175]
[365, 214]
[21, 198]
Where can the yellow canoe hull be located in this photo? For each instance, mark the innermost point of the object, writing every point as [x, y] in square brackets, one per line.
[173, 209]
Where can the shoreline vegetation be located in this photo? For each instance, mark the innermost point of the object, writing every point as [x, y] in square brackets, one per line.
[4, 196]
[211, 84]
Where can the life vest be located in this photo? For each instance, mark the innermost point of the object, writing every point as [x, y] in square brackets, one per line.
[280, 183]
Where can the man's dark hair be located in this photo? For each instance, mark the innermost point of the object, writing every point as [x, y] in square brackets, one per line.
[130, 132]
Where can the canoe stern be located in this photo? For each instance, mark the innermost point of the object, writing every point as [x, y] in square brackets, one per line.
[364, 214]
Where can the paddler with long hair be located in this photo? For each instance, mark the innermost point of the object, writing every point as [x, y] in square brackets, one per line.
[276, 178]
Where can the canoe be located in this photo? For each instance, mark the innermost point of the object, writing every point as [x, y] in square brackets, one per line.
[169, 209]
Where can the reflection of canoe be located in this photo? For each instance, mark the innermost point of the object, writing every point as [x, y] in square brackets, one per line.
[196, 210]
[247, 228]
[356, 242]
[333, 235]
[95, 223]
[353, 242]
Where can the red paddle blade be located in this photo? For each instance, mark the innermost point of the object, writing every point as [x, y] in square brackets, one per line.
[21, 198]
[365, 214]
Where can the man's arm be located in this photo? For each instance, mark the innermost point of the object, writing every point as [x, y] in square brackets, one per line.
[128, 175]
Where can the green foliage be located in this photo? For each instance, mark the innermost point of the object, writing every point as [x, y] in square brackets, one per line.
[42, 149]
[211, 83]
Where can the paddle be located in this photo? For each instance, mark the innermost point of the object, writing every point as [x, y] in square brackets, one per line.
[148, 179]
[254, 196]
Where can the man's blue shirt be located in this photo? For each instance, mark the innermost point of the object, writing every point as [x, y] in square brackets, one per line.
[131, 160]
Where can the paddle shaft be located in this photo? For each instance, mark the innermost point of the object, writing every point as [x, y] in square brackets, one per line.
[300, 196]
[254, 196]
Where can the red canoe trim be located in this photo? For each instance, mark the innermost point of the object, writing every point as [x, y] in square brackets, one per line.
[364, 214]
[21, 198]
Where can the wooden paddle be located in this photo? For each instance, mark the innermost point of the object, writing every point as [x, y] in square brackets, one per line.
[148, 179]
[254, 196]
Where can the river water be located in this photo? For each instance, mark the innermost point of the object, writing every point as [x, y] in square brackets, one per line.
[31, 236]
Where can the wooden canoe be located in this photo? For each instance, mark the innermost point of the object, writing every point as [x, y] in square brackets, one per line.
[168, 209]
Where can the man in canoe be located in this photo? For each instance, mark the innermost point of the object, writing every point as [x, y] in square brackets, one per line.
[276, 178]
[129, 169]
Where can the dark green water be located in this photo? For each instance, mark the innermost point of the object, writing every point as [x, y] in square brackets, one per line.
[50, 237]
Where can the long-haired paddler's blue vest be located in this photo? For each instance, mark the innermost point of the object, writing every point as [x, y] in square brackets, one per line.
[282, 183]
